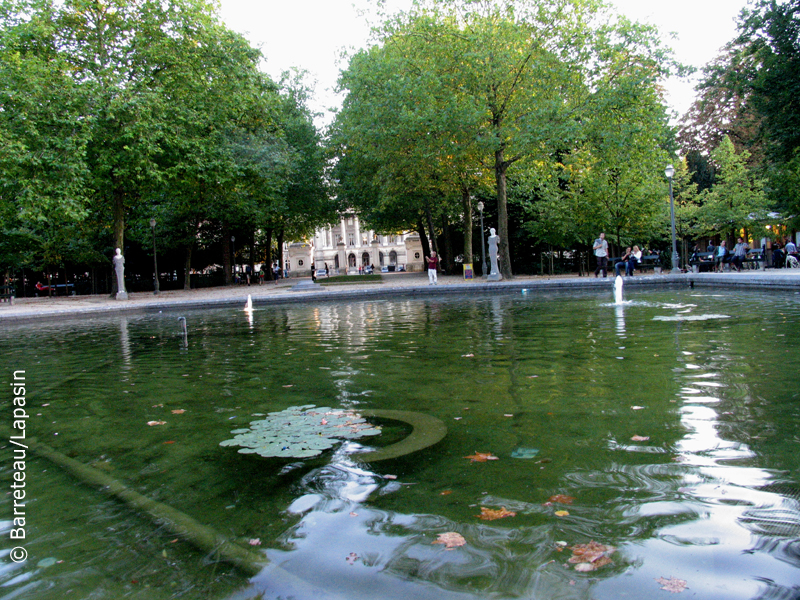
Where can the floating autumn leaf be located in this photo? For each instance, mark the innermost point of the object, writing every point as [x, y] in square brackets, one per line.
[488, 514]
[673, 585]
[178, 411]
[562, 513]
[640, 438]
[154, 405]
[446, 493]
[254, 542]
[151, 423]
[451, 540]
[390, 476]
[591, 556]
[467, 355]
[562, 499]
[637, 407]
[482, 457]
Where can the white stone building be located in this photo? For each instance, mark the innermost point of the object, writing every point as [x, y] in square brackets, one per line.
[344, 247]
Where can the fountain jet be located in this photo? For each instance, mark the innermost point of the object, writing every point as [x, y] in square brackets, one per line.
[618, 290]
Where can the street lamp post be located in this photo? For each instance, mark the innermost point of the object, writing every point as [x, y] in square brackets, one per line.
[483, 243]
[670, 172]
[156, 288]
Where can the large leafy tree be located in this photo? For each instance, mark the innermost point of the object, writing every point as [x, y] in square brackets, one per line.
[737, 200]
[476, 88]
[751, 94]
[43, 140]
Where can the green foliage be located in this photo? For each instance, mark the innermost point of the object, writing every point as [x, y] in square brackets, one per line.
[118, 112]
[458, 97]
[737, 200]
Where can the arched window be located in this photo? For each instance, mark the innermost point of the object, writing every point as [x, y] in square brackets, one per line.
[351, 260]
[380, 257]
[365, 259]
[336, 261]
[392, 257]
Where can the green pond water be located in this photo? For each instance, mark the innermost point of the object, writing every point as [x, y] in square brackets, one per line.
[555, 386]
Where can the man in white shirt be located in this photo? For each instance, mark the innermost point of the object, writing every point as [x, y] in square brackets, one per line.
[601, 252]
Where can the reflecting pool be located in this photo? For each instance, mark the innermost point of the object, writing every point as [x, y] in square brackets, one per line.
[665, 429]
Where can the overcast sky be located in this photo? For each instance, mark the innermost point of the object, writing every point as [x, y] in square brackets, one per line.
[310, 35]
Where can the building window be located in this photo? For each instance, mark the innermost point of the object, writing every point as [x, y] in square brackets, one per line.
[351, 239]
[392, 257]
[300, 262]
[416, 255]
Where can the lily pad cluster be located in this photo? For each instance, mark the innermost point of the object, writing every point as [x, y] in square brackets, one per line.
[300, 432]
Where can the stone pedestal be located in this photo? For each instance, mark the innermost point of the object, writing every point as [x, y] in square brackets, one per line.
[121, 296]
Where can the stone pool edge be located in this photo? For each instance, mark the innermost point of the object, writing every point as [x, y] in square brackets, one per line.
[267, 295]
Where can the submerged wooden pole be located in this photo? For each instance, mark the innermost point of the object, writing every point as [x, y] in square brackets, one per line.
[203, 537]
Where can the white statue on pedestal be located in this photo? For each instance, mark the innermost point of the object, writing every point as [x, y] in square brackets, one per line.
[494, 241]
[119, 269]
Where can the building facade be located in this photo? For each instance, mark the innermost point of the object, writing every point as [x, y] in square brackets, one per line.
[346, 249]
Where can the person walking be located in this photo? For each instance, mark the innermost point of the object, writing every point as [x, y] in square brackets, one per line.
[433, 265]
[721, 257]
[601, 253]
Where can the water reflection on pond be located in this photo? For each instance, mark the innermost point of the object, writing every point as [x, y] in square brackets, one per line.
[665, 427]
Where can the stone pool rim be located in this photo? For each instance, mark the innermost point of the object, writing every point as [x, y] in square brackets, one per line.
[403, 286]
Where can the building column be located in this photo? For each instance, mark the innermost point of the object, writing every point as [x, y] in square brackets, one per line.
[375, 260]
[358, 232]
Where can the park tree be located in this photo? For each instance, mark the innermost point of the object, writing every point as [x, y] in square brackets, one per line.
[750, 94]
[43, 139]
[504, 84]
[737, 200]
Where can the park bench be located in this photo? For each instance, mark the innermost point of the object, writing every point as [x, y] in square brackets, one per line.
[754, 260]
[704, 261]
[649, 261]
[7, 294]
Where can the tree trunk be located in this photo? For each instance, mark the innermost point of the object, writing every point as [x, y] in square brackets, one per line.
[252, 274]
[466, 201]
[450, 264]
[187, 268]
[423, 239]
[504, 250]
[269, 275]
[431, 230]
[226, 253]
[279, 243]
[118, 215]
